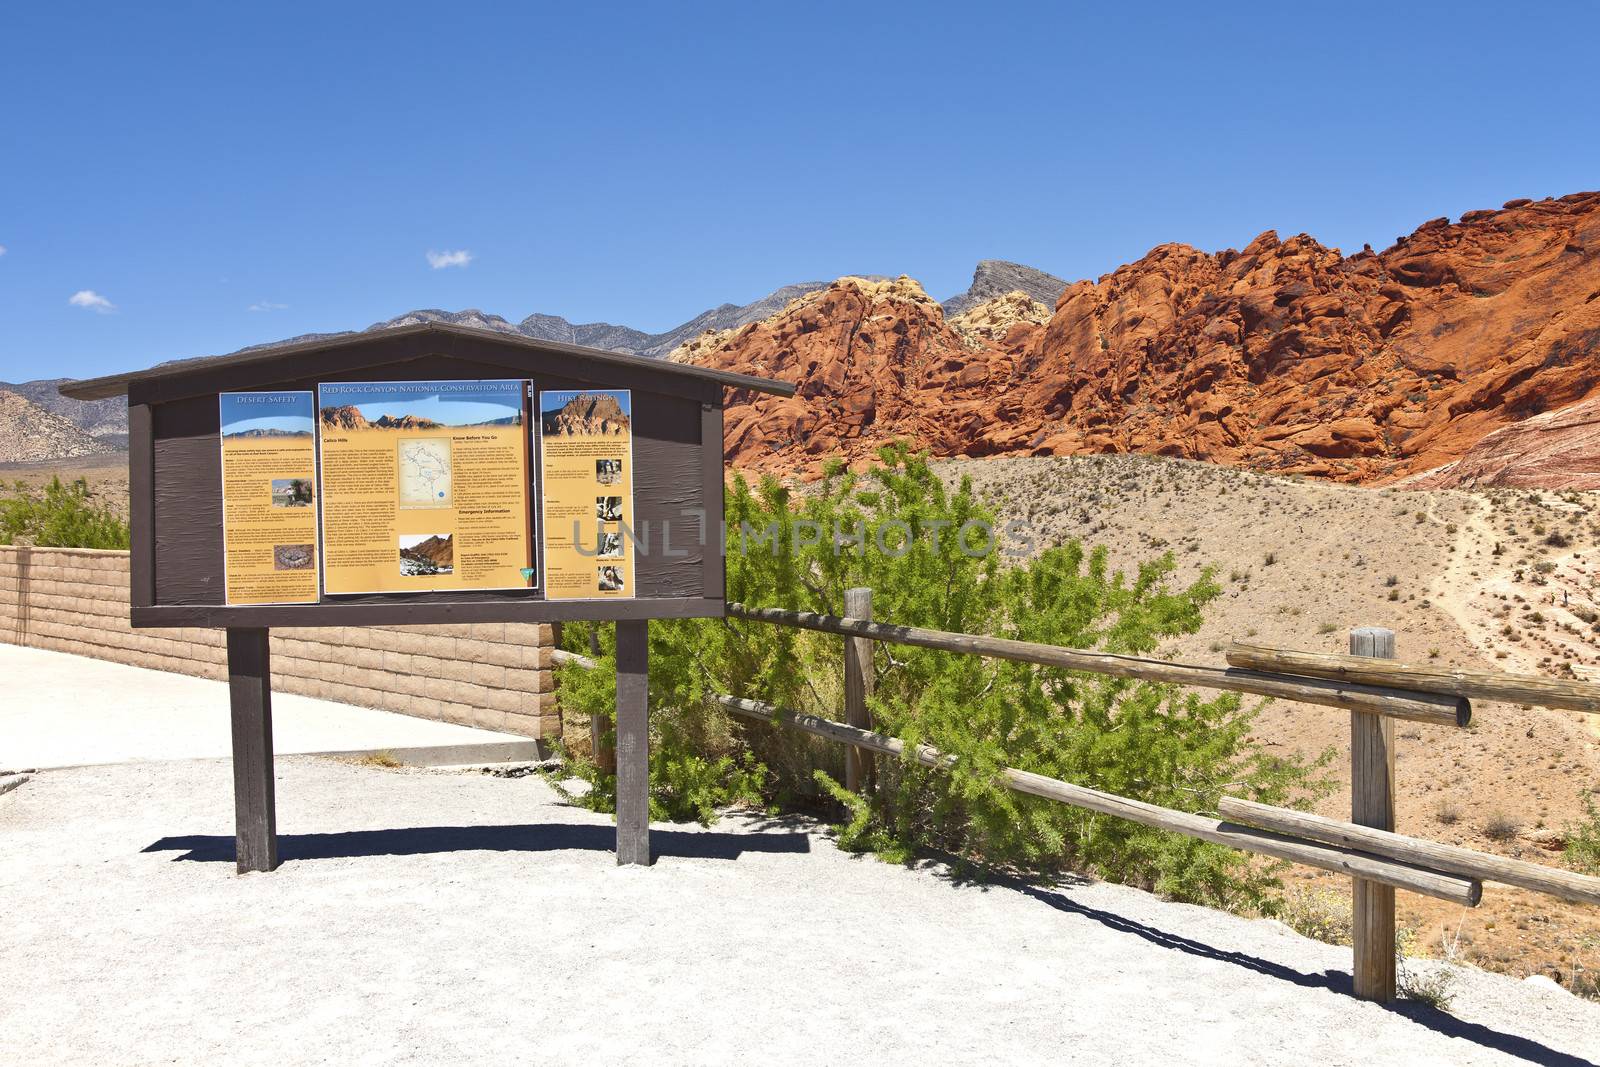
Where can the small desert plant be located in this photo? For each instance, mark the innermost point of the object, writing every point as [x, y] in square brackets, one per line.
[1447, 813]
[1434, 987]
[1501, 827]
[1320, 914]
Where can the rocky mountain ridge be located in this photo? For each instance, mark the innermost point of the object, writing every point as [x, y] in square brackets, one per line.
[995, 278]
[29, 432]
[108, 419]
[97, 418]
[1285, 355]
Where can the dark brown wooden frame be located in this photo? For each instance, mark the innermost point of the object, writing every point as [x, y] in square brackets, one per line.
[176, 575]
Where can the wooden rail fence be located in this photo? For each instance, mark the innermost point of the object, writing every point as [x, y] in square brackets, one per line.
[1375, 689]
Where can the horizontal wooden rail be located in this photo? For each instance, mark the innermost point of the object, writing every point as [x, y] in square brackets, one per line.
[1569, 694]
[1344, 860]
[1568, 885]
[1396, 703]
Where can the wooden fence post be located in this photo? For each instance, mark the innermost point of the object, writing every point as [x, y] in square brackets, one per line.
[858, 680]
[1372, 804]
[633, 742]
[255, 814]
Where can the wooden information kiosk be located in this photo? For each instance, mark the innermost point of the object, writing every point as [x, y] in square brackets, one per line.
[422, 475]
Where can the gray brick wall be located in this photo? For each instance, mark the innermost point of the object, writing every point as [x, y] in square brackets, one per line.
[493, 675]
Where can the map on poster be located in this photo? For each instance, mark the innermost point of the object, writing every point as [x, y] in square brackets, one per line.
[425, 473]
[424, 486]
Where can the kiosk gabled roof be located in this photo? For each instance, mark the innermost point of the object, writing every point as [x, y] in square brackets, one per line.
[117, 384]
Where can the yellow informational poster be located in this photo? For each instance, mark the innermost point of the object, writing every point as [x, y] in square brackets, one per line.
[424, 486]
[269, 515]
[586, 445]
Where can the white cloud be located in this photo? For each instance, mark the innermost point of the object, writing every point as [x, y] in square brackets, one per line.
[2, 250]
[441, 260]
[88, 298]
[267, 305]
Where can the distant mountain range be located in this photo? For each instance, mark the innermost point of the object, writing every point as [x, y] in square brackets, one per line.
[991, 278]
[102, 425]
[269, 433]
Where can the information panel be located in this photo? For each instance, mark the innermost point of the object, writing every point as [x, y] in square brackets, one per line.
[586, 445]
[269, 518]
[424, 486]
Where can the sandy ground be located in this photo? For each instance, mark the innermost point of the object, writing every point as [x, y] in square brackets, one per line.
[58, 710]
[106, 475]
[427, 916]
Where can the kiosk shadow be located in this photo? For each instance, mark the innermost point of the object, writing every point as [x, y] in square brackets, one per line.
[1524, 1048]
[529, 837]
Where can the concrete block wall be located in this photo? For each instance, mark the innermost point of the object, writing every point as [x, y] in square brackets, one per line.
[492, 675]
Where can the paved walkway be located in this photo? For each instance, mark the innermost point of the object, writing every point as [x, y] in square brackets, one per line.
[427, 917]
[58, 710]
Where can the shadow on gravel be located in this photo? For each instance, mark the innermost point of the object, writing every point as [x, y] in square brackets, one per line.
[1334, 981]
[530, 837]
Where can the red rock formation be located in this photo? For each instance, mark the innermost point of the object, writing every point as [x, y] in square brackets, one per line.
[588, 413]
[1285, 355]
[1556, 450]
[345, 417]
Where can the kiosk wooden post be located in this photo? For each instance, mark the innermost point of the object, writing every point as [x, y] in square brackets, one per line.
[633, 742]
[1372, 804]
[255, 816]
[635, 445]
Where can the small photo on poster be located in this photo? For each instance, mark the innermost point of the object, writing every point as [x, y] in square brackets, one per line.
[591, 413]
[426, 554]
[294, 557]
[292, 493]
[611, 579]
[608, 508]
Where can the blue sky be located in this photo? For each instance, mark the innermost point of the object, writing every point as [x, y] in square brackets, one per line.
[467, 402]
[286, 410]
[187, 179]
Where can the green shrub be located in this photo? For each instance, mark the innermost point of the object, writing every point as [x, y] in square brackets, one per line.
[59, 516]
[1583, 838]
[1152, 742]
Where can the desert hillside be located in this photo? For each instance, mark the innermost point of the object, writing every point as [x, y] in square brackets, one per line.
[1489, 579]
[29, 432]
[1285, 356]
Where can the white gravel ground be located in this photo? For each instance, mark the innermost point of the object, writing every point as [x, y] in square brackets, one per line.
[431, 917]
